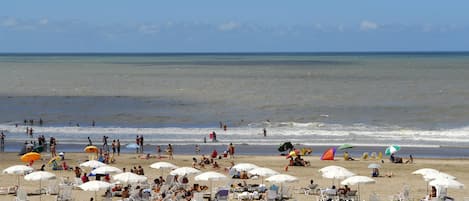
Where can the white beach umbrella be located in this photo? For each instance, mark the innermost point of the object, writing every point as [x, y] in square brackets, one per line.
[429, 174]
[18, 170]
[335, 172]
[39, 176]
[281, 178]
[129, 177]
[357, 180]
[432, 176]
[95, 186]
[92, 164]
[184, 171]
[263, 172]
[446, 183]
[106, 170]
[338, 173]
[162, 166]
[244, 166]
[425, 171]
[210, 176]
[374, 165]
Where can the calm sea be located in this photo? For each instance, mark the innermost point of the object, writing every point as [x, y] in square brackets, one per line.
[367, 99]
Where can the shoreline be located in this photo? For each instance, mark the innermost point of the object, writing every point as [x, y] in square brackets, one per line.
[442, 152]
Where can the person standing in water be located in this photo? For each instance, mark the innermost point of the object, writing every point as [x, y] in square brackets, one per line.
[231, 150]
[265, 132]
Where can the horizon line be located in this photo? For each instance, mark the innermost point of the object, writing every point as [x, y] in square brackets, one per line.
[236, 52]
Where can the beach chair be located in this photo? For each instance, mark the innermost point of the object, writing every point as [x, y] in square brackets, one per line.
[380, 156]
[21, 195]
[8, 190]
[271, 195]
[373, 156]
[52, 188]
[198, 197]
[222, 195]
[286, 193]
[404, 195]
[65, 193]
[373, 197]
[365, 156]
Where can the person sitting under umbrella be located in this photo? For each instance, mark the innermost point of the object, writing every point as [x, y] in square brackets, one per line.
[375, 172]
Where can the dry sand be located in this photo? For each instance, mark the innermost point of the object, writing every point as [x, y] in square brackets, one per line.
[385, 187]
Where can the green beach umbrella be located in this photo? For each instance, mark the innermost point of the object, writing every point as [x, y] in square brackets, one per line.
[392, 149]
[345, 146]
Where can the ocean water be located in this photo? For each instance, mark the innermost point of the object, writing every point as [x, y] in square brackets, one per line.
[366, 99]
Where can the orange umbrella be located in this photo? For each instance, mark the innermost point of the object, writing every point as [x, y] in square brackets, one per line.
[31, 156]
[91, 149]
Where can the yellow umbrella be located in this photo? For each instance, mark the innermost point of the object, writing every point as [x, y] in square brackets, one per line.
[31, 156]
[57, 158]
[91, 149]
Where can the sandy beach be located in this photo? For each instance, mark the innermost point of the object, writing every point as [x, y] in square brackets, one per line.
[384, 187]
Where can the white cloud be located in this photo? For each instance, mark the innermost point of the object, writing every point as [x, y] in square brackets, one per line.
[43, 21]
[9, 22]
[228, 26]
[368, 25]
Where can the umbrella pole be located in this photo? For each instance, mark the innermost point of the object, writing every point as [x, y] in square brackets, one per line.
[95, 196]
[358, 188]
[40, 190]
[210, 190]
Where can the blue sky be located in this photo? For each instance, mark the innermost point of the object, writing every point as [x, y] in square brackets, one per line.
[233, 26]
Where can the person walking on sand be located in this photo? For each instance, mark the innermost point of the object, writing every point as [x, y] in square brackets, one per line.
[113, 146]
[118, 147]
[231, 150]
[158, 151]
[170, 152]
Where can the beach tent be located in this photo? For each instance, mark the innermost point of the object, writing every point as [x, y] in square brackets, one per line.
[328, 154]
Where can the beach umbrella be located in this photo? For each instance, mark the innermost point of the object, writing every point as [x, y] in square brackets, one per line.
[210, 176]
[91, 149]
[132, 146]
[244, 166]
[281, 179]
[94, 186]
[31, 156]
[162, 166]
[263, 172]
[374, 165]
[429, 174]
[184, 171]
[106, 170]
[18, 170]
[39, 176]
[129, 177]
[392, 149]
[432, 176]
[446, 183]
[335, 172]
[357, 180]
[345, 146]
[425, 171]
[92, 164]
